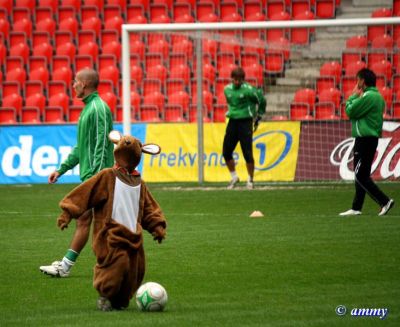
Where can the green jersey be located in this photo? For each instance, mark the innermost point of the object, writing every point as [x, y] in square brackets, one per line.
[243, 101]
[366, 113]
[93, 151]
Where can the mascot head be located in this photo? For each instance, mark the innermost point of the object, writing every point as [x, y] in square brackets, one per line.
[128, 150]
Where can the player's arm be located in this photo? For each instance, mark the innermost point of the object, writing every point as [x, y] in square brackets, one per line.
[357, 106]
[256, 95]
[101, 120]
[69, 163]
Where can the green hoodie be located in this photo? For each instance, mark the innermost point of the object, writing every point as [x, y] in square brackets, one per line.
[93, 151]
[242, 101]
[366, 113]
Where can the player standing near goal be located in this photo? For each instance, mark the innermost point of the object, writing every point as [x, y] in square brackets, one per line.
[93, 152]
[246, 105]
[365, 110]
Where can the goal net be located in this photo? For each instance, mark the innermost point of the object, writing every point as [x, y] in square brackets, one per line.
[174, 77]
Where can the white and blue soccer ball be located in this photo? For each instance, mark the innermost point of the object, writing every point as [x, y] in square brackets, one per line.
[151, 297]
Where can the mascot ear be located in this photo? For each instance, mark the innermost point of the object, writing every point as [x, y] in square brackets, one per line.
[151, 148]
[114, 136]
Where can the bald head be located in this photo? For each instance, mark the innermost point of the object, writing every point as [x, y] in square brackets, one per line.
[89, 77]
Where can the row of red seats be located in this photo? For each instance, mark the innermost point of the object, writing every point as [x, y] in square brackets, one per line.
[145, 113]
[72, 13]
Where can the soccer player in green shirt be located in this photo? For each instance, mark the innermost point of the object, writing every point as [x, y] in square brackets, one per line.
[246, 104]
[93, 152]
[365, 110]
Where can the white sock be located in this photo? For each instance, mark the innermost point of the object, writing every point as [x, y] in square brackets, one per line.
[233, 174]
[250, 179]
[67, 264]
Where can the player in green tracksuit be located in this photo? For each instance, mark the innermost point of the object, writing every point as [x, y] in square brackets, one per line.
[93, 152]
[246, 104]
[365, 110]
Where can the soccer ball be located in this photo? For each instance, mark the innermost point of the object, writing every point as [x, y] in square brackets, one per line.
[151, 297]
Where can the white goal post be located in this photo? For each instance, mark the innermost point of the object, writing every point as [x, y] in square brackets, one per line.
[197, 29]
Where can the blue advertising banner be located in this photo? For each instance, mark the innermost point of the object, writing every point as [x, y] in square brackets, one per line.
[28, 154]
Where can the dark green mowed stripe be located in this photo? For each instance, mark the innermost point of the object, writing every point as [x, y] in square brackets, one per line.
[220, 267]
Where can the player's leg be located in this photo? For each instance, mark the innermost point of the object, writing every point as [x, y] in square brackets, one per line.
[363, 175]
[229, 145]
[81, 235]
[246, 143]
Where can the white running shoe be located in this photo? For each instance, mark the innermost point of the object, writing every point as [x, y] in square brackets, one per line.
[250, 185]
[385, 209]
[233, 183]
[350, 212]
[55, 269]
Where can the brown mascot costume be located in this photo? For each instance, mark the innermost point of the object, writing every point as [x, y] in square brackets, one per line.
[122, 207]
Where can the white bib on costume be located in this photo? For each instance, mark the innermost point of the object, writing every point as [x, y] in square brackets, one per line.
[126, 204]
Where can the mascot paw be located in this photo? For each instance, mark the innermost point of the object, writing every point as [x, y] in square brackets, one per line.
[159, 234]
[63, 221]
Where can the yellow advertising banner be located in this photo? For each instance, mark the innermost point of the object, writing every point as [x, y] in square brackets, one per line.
[275, 150]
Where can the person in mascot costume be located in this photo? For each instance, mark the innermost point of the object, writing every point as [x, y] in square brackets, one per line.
[123, 207]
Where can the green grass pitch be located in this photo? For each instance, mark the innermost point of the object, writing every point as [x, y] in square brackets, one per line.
[292, 267]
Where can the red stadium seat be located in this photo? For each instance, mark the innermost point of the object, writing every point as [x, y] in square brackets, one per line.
[44, 20]
[387, 94]
[136, 14]
[41, 45]
[8, 116]
[274, 35]
[159, 14]
[224, 59]
[301, 36]
[159, 72]
[348, 83]
[357, 42]
[159, 46]
[252, 11]
[74, 113]
[325, 8]
[350, 57]
[384, 41]
[305, 96]
[119, 115]
[325, 111]
[353, 68]
[11, 95]
[300, 111]
[275, 7]
[67, 20]
[229, 12]
[193, 114]
[30, 115]
[378, 30]
[76, 4]
[325, 83]
[182, 72]
[384, 68]
[180, 98]
[137, 74]
[182, 13]
[57, 93]
[331, 68]
[153, 60]
[149, 113]
[53, 115]
[274, 62]
[207, 99]
[174, 85]
[174, 113]
[219, 113]
[331, 95]
[206, 12]
[396, 110]
[299, 6]
[150, 86]
[82, 62]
